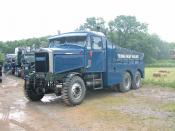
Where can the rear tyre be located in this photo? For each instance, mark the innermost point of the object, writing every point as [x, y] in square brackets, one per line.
[22, 74]
[18, 73]
[136, 82]
[30, 92]
[126, 83]
[73, 91]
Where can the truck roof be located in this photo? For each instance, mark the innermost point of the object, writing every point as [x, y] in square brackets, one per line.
[79, 33]
[11, 55]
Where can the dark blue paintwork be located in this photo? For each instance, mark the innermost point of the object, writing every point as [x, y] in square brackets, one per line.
[112, 61]
[67, 62]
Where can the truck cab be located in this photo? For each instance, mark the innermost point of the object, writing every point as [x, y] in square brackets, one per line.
[77, 61]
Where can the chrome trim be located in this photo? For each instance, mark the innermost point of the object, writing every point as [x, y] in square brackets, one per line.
[51, 61]
[50, 58]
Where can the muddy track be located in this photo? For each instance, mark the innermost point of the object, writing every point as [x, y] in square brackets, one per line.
[143, 109]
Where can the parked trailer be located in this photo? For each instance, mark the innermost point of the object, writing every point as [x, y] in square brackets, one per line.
[77, 61]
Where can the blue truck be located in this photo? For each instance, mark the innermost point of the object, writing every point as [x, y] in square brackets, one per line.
[78, 61]
[24, 63]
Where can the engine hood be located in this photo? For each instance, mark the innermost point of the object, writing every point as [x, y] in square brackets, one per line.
[64, 59]
[68, 51]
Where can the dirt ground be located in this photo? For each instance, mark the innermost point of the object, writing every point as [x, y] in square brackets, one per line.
[103, 110]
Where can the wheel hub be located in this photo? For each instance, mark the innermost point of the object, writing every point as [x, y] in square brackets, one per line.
[138, 81]
[76, 90]
[127, 83]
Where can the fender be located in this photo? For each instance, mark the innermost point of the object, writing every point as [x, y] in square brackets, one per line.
[71, 74]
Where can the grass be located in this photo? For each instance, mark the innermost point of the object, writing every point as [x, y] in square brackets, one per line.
[162, 63]
[170, 107]
[164, 81]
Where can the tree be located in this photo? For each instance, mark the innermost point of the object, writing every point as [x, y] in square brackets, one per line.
[9, 46]
[125, 27]
[1, 57]
[93, 24]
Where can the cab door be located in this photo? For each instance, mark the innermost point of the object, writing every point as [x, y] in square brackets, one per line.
[96, 55]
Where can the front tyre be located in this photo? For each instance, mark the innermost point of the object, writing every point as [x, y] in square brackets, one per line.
[30, 92]
[136, 82]
[126, 83]
[73, 91]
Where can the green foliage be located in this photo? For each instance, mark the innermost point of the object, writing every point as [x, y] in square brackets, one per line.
[9, 46]
[128, 32]
[126, 27]
[172, 45]
[94, 24]
[1, 57]
[125, 31]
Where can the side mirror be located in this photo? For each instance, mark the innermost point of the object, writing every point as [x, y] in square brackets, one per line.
[92, 41]
[100, 43]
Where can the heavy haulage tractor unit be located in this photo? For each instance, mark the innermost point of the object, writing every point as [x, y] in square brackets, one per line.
[27, 63]
[24, 61]
[77, 61]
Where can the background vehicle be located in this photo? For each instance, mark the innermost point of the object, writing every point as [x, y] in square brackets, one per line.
[27, 64]
[9, 63]
[25, 58]
[77, 61]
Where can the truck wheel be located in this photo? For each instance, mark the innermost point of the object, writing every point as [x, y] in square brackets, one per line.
[73, 91]
[136, 82]
[30, 93]
[19, 74]
[22, 75]
[126, 83]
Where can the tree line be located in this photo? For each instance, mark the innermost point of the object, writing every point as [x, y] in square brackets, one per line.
[9, 46]
[124, 31]
[128, 32]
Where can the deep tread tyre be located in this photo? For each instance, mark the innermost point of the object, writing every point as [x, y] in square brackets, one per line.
[136, 81]
[19, 74]
[126, 83]
[30, 93]
[73, 91]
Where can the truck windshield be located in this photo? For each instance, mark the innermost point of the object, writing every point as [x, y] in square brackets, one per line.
[29, 58]
[74, 40]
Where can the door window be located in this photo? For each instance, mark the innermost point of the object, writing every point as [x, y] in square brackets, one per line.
[89, 43]
[97, 42]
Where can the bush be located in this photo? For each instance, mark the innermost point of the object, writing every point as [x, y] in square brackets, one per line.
[1, 57]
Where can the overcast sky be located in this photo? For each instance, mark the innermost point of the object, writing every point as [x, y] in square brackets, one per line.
[21, 19]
